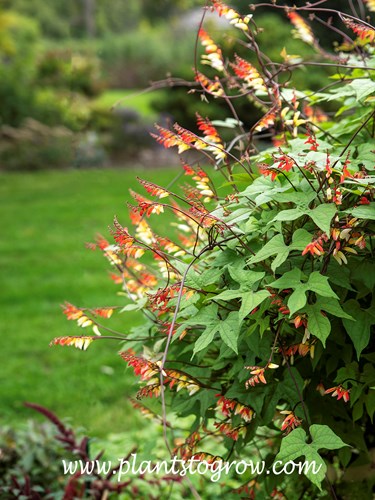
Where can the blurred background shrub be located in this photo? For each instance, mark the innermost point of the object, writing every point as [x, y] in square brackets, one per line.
[19, 37]
[61, 64]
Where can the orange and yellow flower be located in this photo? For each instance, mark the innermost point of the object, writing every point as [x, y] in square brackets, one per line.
[230, 431]
[340, 392]
[213, 56]
[212, 87]
[290, 422]
[302, 29]
[81, 342]
[247, 72]
[232, 15]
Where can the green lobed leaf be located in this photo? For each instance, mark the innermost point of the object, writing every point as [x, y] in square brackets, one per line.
[366, 212]
[263, 189]
[294, 445]
[300, 239]
[204, 316]
[366, 154]
[298, 299]
[324, 437]
[250, 300]
[319, 284]
[370, 403]
[209, 276]
[273, 246]
[227, 295]
[318, 324]
[276, 246]
[205, 338]
[301, 199]
[245, 277]
[322, 215]
[289, 215]
[358, 329]
[358, 409]
[279, 259]
[290, 279]
[362, 87]
[229, 330]
[206, 399]
[135, 306]
[332, 306]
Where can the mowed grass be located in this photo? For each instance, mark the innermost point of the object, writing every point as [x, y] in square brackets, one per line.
[139, 100]
[46, 218]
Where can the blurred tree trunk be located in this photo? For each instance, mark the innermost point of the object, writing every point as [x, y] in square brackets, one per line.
[89, 17]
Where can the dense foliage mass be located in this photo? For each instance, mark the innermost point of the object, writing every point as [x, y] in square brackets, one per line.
[258, 312]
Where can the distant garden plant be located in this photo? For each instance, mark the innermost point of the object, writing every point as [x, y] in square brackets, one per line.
[259, 312]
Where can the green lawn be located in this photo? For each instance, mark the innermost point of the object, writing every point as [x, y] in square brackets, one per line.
[138, 100]
[46, 219]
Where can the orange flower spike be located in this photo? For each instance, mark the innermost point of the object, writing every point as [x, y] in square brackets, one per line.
[78, 342]
[313, 248]
[360, 242]
[148, 280]
[285, 163]
[182, 381]
[364, 201]
[314, 115]
[316, 246]
[188, 138]
[321, 389]
[328, 166]
[361, 30]
[266, 122]
[337, 196]
[213, 56]
[245, 412]
[311, 139]
[149, 390]
[298, 321]
[101, 243]
[302, 29]
[209, 131]
[247, 72]
[134, 252]
[122, 236]
[277, 495]
[230, 431]
[345, 172]
[168, 139]
[258, 376]
[153, 189]
[303, 349]
[335, 233]
[148, 209]
[203, 216]
[370, 5]
[146, 369]
[339, 392]
[212, 87]
[118, 279]
[290, 422]
[266, 170]
[225, 405]
[207, 41]
[233, 16]
[104, 312]
[72, 312]
[188, 170]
